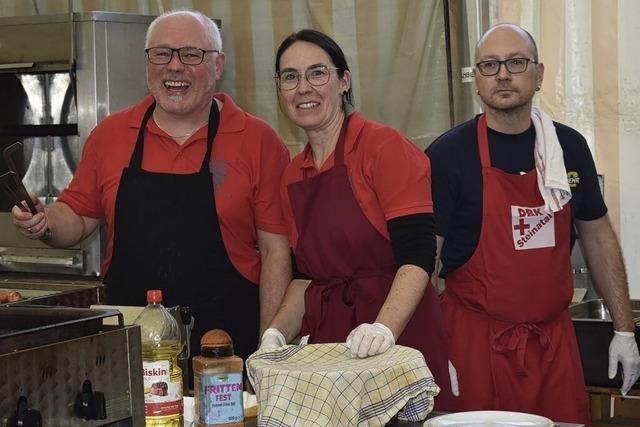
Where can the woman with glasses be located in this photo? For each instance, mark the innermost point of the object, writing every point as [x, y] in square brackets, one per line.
[359, 217]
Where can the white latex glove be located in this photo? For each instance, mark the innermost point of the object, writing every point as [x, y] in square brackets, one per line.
[624, 349]
[272, 338]
[453, 376]
[369, 339]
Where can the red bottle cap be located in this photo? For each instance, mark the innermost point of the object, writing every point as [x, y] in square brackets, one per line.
[154, 295]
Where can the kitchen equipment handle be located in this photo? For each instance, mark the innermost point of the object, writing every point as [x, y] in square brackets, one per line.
[7, 153]
[12, 185]
[11, 182]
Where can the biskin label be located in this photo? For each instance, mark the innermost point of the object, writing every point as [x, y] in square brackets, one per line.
[161, 395]
[220, 399]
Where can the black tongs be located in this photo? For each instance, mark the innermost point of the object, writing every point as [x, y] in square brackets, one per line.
[11, 183]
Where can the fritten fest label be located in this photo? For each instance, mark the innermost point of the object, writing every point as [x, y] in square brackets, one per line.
[220, 398]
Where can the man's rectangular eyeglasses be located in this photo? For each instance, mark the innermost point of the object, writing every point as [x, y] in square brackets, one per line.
[316, 75]
[187, 55]
[513, 65]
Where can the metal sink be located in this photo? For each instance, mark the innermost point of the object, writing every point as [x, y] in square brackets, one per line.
[596, 310]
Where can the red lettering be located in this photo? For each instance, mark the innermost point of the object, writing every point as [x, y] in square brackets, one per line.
[154, 372]
[523, 212]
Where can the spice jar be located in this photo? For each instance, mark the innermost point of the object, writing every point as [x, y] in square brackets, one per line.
[218, 382]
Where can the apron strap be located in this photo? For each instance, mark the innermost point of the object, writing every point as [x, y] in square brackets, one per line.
[212, 130]
[483, 141]
[136, 157]
[338, 152]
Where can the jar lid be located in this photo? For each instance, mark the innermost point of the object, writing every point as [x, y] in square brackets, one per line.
[217, 351]
[216, 343]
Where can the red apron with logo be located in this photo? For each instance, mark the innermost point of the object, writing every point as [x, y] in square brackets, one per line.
[352, 267]
[506, 309]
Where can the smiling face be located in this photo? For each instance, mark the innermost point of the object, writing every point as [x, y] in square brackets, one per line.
[183, 90]
[505, 91]
[313, 108]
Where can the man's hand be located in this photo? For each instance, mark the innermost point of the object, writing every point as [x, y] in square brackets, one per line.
[370, 339]
[624, 349]
[271, 339]
[29, 225]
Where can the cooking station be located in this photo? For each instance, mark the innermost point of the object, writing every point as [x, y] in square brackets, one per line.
[71, 291]
[60, 75]
[61, 365]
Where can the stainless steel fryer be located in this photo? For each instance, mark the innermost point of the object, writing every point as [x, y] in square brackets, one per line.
[63, 365]
[71, 291]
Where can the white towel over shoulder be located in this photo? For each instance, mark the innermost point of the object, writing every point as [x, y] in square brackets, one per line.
[550, 170]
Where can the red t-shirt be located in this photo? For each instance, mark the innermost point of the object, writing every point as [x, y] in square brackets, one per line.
[248, 159]
[389, 174]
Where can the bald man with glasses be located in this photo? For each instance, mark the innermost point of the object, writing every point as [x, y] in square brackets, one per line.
[509, 188]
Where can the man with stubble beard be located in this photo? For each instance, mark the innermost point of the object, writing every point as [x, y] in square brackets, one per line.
[506, 215]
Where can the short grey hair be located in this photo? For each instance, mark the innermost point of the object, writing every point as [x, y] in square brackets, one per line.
[212, 30]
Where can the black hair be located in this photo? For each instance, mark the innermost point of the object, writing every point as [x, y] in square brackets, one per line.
[325, 43]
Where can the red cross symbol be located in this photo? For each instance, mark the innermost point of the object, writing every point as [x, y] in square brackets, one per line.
[521, 227]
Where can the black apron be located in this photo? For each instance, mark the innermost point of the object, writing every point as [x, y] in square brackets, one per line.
[167, 236]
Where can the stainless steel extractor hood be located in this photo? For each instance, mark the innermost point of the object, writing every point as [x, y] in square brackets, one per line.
[60, 76]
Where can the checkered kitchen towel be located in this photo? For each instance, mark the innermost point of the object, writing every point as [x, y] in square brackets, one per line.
[322, 385]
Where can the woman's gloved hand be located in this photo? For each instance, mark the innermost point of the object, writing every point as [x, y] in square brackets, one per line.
[272, 338]
[370, 339]
[624, 349]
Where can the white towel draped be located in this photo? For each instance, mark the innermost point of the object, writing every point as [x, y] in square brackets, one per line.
[549, 161]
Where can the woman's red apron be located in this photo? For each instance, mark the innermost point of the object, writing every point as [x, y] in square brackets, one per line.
[512, 338]
[352, 267]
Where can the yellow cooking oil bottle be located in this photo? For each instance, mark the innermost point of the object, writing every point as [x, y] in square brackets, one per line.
[163, 406]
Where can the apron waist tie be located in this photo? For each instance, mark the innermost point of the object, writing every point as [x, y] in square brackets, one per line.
[516, 337]
[349, 291]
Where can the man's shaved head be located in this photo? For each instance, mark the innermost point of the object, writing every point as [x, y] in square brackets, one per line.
[525, 34]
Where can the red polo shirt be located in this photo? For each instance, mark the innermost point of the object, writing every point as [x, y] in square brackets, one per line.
[248, 156]
[390, 176]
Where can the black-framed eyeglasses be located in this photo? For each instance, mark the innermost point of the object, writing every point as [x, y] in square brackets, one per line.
[316, 75]
[513, 65]
[187, 55]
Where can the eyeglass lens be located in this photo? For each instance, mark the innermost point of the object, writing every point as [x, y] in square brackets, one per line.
[316, 76]
[187, 55]
[513, 65]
